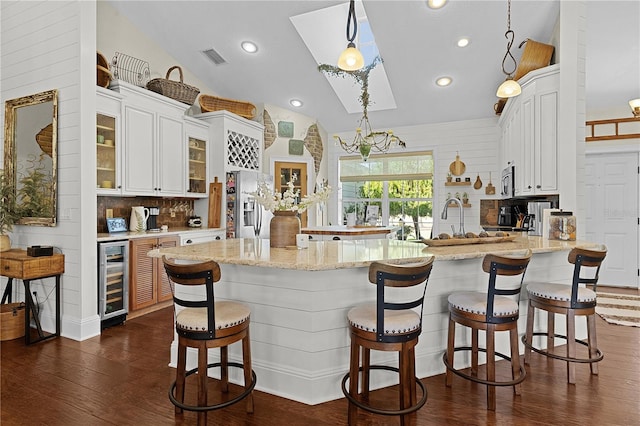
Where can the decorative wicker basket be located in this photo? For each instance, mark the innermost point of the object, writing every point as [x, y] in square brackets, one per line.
[210, 103]
[103, 74]
[11, 321]
[174, 89]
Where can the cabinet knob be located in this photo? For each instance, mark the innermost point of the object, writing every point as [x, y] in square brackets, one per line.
[189, 241]
[218, 237]
[529, 187]
[538, 186]
[335, 238]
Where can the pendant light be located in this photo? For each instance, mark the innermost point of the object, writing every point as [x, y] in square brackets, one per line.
[351, 59]
[510, 87]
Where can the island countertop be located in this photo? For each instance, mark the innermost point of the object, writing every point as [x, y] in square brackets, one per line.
[327, 255]
[349, 230]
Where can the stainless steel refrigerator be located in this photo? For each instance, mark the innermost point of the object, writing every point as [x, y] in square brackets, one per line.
[244, 217]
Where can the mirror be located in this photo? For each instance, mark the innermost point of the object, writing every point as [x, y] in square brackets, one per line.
[30, 155]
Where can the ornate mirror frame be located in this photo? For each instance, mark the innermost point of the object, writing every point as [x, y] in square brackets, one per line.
[30, 155]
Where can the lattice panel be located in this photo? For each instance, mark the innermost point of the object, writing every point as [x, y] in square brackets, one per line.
[243, 151]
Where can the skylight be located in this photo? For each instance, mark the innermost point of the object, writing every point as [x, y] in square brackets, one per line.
[323, 32]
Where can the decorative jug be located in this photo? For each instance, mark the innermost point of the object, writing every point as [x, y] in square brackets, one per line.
[139, 216]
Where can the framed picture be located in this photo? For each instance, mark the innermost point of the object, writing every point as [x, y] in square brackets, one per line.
[372, 211]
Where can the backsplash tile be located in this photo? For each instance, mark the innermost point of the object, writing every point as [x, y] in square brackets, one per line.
[182, 207]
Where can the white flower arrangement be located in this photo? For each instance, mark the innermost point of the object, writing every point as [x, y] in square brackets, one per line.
[275, 201]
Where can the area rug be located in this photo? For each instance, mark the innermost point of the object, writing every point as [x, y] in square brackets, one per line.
[619, 309]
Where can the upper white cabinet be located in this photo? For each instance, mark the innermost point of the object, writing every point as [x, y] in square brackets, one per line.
[530, 133]
[108, 142]
[197, 137]
[154, 145]
[236, 143]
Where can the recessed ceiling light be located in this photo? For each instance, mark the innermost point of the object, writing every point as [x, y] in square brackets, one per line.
[436, 4]
[443, 81]
[296, 103]
[249, 46]
[463, 42]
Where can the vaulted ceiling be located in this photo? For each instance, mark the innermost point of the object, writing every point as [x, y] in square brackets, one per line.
[417, 44]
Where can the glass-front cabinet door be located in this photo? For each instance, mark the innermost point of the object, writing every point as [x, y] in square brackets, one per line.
[197, 166]
[106, 154]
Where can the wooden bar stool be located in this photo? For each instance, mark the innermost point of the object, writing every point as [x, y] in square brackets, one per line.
[204, 324]
[387, 326]
[496, 310]
[568, 300]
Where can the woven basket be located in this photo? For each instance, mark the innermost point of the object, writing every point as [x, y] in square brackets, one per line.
[11, 321]
[174, 89]
[210, 103]
[103, 77]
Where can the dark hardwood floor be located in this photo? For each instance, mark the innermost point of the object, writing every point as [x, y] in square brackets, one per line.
[122, 378]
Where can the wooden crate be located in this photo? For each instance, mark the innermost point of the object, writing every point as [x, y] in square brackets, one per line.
[11, 321]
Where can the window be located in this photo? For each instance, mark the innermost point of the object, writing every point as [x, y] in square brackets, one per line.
[398, 187]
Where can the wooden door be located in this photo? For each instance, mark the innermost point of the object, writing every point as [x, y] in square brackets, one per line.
[611, 182]
[163, 286]
[296, 173]
[142, 291]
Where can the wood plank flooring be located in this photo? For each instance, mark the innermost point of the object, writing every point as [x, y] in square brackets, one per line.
[122, 378]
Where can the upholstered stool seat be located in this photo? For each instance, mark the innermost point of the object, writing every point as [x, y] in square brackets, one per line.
[203, 323]
[387, 325]
[560, 292]
[495, 310]
[569, 300]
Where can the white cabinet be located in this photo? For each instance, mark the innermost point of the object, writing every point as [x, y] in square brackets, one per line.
[235, 143]
[108, 142]
[530, 133]
[197, 137]
[204, 236]
[155, 143]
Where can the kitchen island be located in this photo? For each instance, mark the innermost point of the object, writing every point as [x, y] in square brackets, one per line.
[299, 300]
[334, 233]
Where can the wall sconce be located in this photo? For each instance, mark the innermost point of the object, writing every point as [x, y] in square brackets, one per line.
[635, 107]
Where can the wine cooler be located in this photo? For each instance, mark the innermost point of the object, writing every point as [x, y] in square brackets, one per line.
[113, 282]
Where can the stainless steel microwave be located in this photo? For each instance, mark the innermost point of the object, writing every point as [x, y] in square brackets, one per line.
[507, 184]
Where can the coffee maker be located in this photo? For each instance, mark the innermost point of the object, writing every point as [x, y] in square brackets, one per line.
[152, 222]
[505, 217]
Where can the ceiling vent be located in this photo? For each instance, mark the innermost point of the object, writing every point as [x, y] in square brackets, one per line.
[214, 56]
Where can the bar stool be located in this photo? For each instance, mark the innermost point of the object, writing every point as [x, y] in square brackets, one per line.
[496, 310]
[387, 326]
[568, 300]
[204, 324]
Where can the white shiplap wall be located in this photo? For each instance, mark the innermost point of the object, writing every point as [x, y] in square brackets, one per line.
[51, 45]
[476, 141]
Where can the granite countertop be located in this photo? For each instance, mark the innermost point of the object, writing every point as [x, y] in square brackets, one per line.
[349, 230]
[104, 236]
[325, 255]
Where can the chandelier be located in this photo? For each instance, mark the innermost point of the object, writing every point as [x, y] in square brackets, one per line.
[367, 140]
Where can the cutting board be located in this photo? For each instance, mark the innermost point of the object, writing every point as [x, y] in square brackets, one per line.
[457, 168]
[215, 203]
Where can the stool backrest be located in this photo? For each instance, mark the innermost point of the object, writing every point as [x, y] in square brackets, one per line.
[195, 274]
[496, 266]
[589, 258]
[383, 275]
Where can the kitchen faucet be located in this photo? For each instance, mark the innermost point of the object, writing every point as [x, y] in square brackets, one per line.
[444, 215]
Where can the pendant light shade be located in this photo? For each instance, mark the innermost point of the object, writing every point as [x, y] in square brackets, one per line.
[509, 89]
[351, 59]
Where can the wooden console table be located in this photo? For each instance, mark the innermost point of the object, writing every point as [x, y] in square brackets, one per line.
[16, 264]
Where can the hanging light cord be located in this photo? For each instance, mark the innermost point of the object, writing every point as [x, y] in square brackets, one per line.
[352, 18]
[509, 35]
